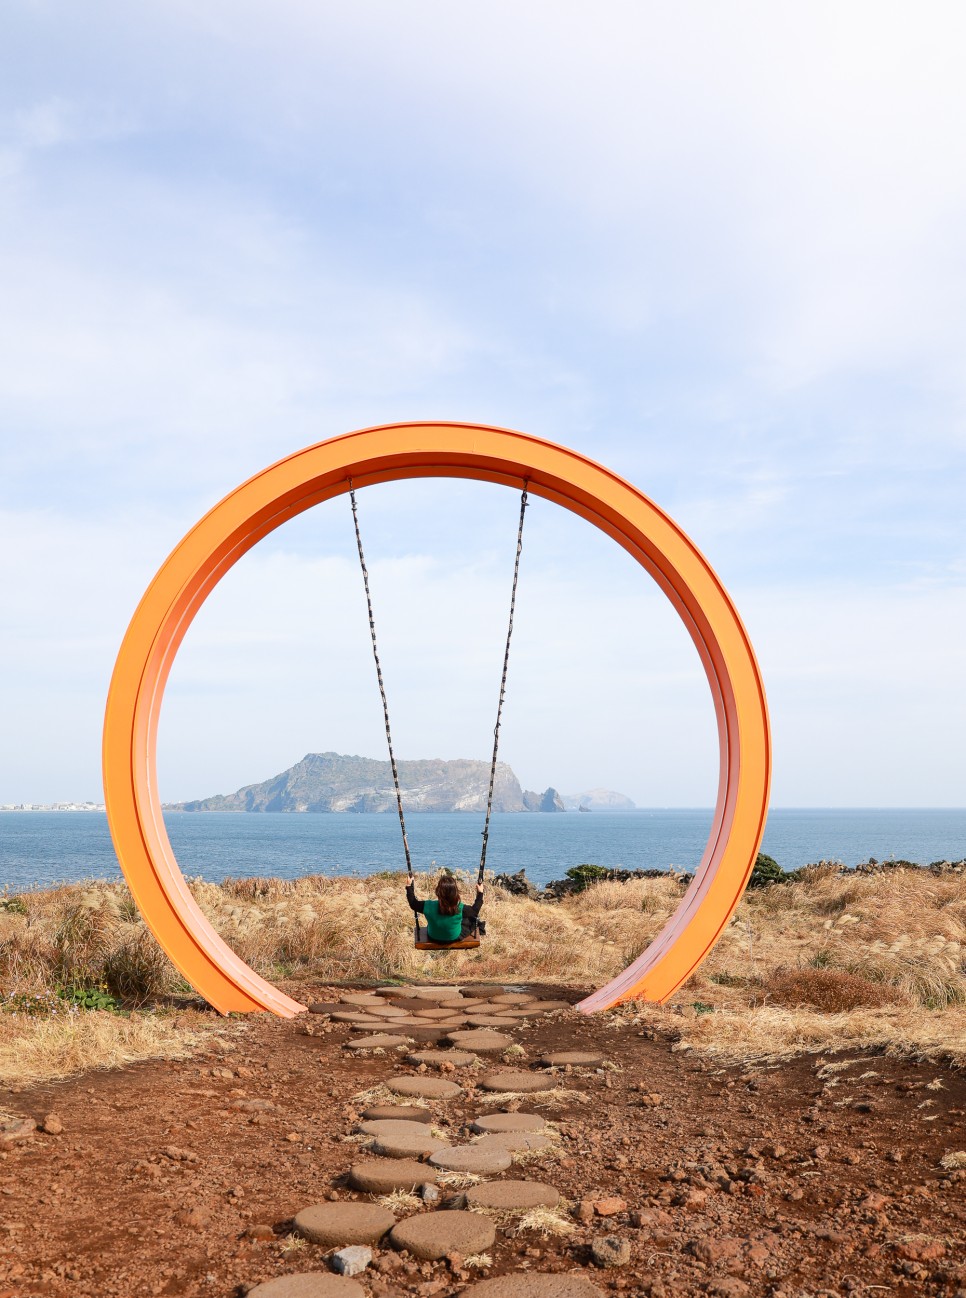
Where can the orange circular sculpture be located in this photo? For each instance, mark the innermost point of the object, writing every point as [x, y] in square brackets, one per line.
[385, 454]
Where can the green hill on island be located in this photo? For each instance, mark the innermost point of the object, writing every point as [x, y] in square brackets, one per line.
[334, 782]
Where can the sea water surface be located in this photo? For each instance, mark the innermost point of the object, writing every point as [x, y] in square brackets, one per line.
[39, 848]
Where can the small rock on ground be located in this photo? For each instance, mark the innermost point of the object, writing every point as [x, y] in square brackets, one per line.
[335, 1224]
[428, 1088]
[515, 1081]
[383, 1175]
[351, 1261]
[478, 1159]
[490, 1122]
[512, 1195]
[310, 1284]
[610, 1251]
[431, 1235]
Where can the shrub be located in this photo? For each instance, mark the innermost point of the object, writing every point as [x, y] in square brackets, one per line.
[833, 991]
[766, 870]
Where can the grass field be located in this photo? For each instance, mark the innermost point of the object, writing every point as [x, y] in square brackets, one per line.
[833, 960]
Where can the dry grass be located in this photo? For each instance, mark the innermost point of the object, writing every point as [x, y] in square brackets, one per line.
[870, 960]
[36, 1050]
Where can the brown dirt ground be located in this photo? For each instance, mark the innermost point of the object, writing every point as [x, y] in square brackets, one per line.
[819, 1176]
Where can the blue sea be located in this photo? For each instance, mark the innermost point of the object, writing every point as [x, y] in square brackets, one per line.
[39, 848]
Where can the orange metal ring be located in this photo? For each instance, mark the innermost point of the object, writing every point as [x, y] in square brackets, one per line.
[384, 454]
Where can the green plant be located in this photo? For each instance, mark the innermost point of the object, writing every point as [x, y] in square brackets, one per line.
[766, 870]
[13, 905]
[702, 1007]
[90, 998]
[584, 875]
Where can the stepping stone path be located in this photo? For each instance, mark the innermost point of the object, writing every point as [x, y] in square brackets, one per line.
[432, 1235]
[512, 1196]
[479, 1159]
[311, 1284]
[393, 1018]
[428, 1088]
[333, 1225]
[397, 1113]
[383, 1175]
[508, 1122]
[515, 1081]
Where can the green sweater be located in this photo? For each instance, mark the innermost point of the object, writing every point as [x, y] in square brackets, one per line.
[442, 928]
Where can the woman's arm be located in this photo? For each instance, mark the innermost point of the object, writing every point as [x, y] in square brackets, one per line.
[415, 905]
[474, 909]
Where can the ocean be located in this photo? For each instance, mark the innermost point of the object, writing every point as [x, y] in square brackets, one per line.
[38, 848]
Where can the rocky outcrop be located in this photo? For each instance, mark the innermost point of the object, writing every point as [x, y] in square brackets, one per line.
[334, 782]
[598, 800]
[549, 800]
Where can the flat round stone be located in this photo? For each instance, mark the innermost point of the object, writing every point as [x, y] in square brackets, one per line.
[411, 1144]
[378, 1041]
[511, 998]
[435, 1012]
[527, 1284]
[485, 1040]
[490, 1021]
[325, 1007]
[431, 1235]
[383, 1175]
[479, 1159]
[335, 1225]
[427, 1033]
[384, 1011]
[486, 991]
[500, 1122]
[575, 1058]
[392, 1127]
[436, 1058]
[434, 993]
[397, 1113]
[408, 1003]
[515, 1081]
[515, 1196]
[427, 1088]
[349, 1016]
[359, 998]
[512, 1141]
[310, 1284]
[543, 1007]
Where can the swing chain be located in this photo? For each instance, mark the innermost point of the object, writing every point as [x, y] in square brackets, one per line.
[382, 688]
[506, 666]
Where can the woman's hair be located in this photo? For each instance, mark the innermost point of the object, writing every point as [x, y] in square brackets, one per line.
[448, 896]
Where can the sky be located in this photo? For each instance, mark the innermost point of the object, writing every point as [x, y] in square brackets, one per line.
[719, 248]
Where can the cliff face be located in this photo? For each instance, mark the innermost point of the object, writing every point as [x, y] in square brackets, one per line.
[332, 782]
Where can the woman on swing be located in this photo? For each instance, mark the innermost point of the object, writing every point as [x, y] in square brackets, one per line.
[447, 919]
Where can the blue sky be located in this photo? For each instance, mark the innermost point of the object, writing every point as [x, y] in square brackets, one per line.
[719, 248]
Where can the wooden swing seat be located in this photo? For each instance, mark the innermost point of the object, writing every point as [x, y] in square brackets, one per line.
[422, 942]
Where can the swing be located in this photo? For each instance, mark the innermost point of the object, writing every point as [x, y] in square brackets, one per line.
[421, 940]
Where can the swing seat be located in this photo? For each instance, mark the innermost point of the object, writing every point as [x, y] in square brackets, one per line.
[422, 943]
